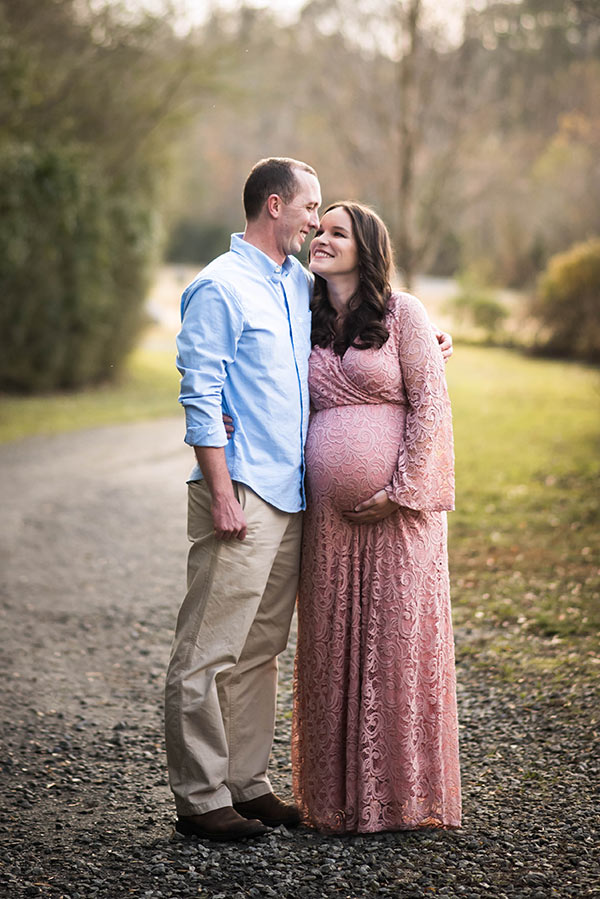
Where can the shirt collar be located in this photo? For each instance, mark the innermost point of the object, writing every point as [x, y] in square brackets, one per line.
[267, 266]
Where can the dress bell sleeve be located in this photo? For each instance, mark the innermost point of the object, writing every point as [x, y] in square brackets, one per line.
[424, 476]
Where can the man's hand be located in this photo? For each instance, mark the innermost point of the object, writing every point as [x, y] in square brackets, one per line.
[228, 518]
[445, 342]
[228, 422]
[376, 508]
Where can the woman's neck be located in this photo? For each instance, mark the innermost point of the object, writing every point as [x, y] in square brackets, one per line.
[340, 290]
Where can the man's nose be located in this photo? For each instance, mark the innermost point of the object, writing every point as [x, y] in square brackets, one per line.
[314, 220]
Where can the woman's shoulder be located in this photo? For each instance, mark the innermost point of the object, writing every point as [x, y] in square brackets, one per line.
[403, 305]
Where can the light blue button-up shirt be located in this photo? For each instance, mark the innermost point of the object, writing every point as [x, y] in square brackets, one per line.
[243, 349]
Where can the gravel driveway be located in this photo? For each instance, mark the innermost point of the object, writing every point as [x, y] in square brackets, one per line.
[93, 557]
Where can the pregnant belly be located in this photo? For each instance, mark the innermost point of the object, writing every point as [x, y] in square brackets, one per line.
[351, 452]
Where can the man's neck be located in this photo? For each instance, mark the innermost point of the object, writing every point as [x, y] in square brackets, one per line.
[264, 241]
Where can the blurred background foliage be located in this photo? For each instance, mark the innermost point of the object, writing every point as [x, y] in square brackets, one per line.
[91, 109]
[567, 301]
[125, 140]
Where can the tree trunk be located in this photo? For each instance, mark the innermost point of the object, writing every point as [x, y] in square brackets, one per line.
[407, 128]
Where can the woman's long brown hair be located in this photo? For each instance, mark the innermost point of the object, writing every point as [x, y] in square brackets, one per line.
[363, 324]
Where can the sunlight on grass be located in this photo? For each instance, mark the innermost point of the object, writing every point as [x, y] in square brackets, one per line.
[524, 541]
[147, 388]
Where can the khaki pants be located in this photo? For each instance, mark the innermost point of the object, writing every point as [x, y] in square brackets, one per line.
[222, 678]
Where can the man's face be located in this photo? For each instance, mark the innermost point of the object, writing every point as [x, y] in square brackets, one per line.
[300, 215]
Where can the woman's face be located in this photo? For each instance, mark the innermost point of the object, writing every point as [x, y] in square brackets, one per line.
[333, 250]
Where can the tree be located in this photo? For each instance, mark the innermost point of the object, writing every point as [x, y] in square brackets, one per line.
[413, 98]
[533, 167]
[477, 151]
[91, 108]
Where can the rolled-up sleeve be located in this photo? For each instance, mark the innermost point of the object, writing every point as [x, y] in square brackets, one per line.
[212, 323]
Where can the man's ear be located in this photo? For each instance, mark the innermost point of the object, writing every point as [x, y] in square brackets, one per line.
[274, 205]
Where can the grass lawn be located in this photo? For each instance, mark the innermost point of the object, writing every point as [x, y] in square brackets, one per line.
[147, 388]
[525, 539]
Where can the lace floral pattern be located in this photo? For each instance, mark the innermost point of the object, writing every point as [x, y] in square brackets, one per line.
[375, 733]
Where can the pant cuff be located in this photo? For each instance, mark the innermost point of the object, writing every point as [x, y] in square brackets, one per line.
[251, 792]
[220, 799]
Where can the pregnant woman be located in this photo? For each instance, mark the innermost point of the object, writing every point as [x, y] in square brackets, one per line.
[375, 737]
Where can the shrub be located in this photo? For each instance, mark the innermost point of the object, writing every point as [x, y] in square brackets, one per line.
[567, 303]
[74, 257]
[476, 305]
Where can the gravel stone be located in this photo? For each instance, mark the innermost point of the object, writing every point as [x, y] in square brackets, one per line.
[92, 555]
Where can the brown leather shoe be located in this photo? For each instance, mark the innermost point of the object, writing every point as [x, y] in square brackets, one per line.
[270, 809]
[221, 824]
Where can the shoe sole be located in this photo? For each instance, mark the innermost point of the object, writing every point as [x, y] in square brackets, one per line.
[214, 837]
[269, 822]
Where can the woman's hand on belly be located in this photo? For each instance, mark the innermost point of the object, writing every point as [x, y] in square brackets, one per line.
[376, 508]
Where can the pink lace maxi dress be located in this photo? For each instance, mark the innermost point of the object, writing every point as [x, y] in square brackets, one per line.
[375, 735]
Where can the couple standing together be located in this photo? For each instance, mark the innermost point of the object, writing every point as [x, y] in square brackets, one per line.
[375, 734]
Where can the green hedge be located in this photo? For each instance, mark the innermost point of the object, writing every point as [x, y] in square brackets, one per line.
[195, 242]
[74, 268]
[567, 303]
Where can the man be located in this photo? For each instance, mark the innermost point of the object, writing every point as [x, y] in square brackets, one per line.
[243, 350]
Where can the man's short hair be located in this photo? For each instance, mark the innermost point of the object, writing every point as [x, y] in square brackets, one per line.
[275, 175]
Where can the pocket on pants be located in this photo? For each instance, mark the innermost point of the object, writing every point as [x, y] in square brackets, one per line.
[200, 525]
